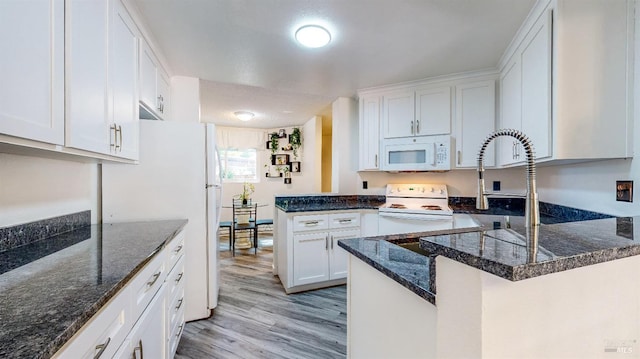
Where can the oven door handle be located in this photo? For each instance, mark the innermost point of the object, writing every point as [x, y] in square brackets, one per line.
[419, 217]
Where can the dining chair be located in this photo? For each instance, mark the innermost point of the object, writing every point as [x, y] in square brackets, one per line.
[244, 220]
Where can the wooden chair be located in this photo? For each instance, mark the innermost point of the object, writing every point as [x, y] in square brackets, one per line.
[244, 220]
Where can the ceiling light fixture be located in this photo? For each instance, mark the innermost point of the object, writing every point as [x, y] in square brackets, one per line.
[243, 115]
[313, 36]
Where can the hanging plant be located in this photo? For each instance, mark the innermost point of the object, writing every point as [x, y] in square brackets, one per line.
[274, 143]
[295, 140]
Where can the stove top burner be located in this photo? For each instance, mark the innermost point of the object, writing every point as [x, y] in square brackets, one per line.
[397, 205]
[431, 207]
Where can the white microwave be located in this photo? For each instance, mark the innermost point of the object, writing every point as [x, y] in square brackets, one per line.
[420, 153]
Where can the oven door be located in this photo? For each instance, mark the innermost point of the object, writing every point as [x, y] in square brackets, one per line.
[397, 223]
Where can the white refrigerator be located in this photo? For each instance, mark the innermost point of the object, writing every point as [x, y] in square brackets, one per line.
[178, 177]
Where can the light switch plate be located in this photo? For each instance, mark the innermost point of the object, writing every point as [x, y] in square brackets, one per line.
[624, 191]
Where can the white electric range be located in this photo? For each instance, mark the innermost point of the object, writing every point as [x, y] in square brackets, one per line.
[415, 208]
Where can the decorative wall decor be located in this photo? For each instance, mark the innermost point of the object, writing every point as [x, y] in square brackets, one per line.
[281, 164]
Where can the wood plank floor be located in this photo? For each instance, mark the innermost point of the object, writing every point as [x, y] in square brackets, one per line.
[255, 318]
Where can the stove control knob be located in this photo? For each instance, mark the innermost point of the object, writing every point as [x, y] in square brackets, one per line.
[422, 189]
[441, 191]
[432, 189]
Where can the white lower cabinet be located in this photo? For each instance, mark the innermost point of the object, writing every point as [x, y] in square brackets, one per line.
[147, 338]
[144, 320]
[313, 257]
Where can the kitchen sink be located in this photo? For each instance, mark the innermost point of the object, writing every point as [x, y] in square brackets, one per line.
[414, 247]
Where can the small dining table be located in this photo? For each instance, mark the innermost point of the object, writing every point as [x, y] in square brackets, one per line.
[243, 244]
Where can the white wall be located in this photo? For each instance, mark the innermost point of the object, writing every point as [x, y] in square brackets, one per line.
[306, 181]
[33, 188]
[185, 99]
[345, 145]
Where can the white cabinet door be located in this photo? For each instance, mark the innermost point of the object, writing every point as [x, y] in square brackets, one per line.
[147, 68]
[369, 133]
[475, 120]
[164, 95]
[433, 111]
[398, 114]
[536, 87]
[310, 258]
[338, 257]
[511, 111]
[148, 335]
[123, 62]
[32, 69]
[87, 123]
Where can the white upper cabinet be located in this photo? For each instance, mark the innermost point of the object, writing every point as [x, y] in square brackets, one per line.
[417, 112]
[567, 84]
[123, 81]
[369, 132]
[101, 95]
[398, 116]
[526, 95]
[155, 88]
[475, 120]
[433, 111]
[32, 69]
[87, 121]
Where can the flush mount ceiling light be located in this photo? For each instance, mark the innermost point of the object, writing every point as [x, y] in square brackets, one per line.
[243, 115]
[313, 36]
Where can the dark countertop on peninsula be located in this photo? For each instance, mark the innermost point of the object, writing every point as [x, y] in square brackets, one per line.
[562, 246]
[322, 202]
[45, 302]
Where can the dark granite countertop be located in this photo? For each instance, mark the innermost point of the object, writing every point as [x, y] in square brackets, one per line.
[494, 248]
[561, 246]
[312, 203]
[45, 302]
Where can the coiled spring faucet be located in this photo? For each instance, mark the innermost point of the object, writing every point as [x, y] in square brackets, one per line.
[532, 213]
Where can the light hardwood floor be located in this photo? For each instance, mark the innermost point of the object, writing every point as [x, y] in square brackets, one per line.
[255, 318]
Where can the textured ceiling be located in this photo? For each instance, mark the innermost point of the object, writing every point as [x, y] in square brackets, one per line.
[244, 53]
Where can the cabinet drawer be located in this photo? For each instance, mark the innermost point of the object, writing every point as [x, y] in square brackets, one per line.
[145, 285]
[175, 308]
[104, 333]
[310, 223]
[344, 220]
[175, 250]
[175, 279]
[174, 335]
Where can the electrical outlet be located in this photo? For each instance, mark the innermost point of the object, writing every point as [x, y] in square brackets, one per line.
[365, 185]
[624, 191]
[496, 185]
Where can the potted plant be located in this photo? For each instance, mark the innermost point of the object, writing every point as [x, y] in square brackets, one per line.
[295, 140]
[247, 190]
[274, 143]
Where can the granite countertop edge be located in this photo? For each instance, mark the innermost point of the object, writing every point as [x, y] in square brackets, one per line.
[390, 273]
[65, 336]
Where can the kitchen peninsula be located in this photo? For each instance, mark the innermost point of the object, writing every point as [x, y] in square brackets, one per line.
[491, 300]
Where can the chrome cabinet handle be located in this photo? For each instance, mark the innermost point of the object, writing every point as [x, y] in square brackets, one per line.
[412, 128]
[120, 132]
[179, 304]
[345, 220]
[326, 243]
[101, 348]
[159, 107]
[139, 347]
[376, 160]
[180, 331]
[311, 223]
[459, 157]
[331, 242]
[179, 277]
[417, 126]
[178, 249]
[154, 280]
[113, 138]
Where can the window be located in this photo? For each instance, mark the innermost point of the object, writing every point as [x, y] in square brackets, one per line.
[239, 165]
